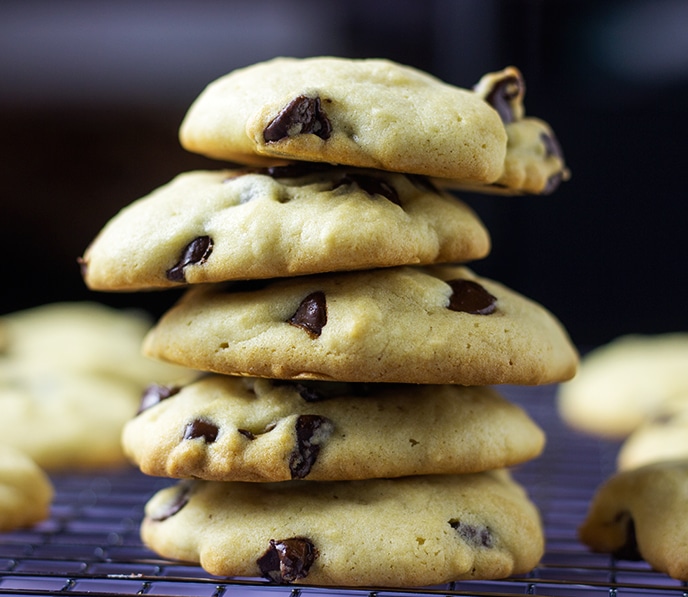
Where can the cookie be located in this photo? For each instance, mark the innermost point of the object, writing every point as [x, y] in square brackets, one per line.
[26, 492]
[369, 113]
[226, 428]
[71, 376]
[625, 383]
[84, 337]
[662, 438]
[265, 223]
[640, 514]
[412, 531]
[534, 162]
[436, 325]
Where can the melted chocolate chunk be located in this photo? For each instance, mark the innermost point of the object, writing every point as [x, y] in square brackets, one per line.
[200, 428]
[629, 550]
[180, 499]
[195, 253]
[552, 147]
[311, 432]
[471, 297]
[246, 433]
[371, 185]
[553, 183]
[303, 115]
[316, 391]
[296, 170]
[423, 183]
[503, 94]
[287, 560]
[154, 394]
[311, 314]
[474, 536]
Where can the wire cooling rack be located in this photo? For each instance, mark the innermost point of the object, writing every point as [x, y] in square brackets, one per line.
[91, 546]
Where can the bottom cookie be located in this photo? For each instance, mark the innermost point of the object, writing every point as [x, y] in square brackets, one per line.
[640, 514]
[25, 490]
[412, 531]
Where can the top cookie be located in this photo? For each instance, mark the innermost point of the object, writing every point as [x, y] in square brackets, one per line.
[367, 113]
[210, 226]
[408, 324]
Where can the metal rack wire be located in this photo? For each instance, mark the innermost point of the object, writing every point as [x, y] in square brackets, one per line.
[91, 546]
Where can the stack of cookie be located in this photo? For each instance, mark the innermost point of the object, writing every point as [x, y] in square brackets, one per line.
[345, 432]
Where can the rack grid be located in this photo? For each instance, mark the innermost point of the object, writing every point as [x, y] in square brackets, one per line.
[90, 545]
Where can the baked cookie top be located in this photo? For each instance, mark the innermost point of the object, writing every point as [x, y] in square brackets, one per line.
[408, 325]
[227, 428]
[368, 113]
[640, 514]
[627, 382]
[412, 531]
[210, 226]
[26, 492]
[71, 376]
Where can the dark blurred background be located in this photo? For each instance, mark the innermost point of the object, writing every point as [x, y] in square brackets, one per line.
[92, 93]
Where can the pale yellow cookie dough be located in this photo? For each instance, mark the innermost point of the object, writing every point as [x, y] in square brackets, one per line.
[296, 221]
[369, 113]
[641, 513]
[389, 325]
[413, 531]
[26, 492]
[263, 430]
[625, 383]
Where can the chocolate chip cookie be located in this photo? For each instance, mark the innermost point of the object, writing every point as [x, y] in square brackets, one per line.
[211, 226]
[534, 161]
[412, 531]
[626, 383]
[368, 113]
[71, 376]
[227, 428]
[26, 492]
[408, 325]
[640, 514]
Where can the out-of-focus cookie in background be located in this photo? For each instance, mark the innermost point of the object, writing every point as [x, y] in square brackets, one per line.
[71, 375]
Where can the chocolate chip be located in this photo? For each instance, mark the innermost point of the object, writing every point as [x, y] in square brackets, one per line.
[180, 499]
[311, 432]
[246, 433]
[501, 96]
[287, 560]
[552, 147]
[371, 185]
[154, 394]
[317, 391]
[200, 428]
[629, 550]
[423, 183]
[196, 252]
[311, 314]
[552, 184]
[296, 170]
[303, 115]
[473, 535]
[471, 297]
